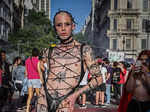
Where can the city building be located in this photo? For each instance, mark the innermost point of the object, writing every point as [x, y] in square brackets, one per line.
[10, 17]
[6, 16]
[16, 15]
[129, 30]
[39, 5]
[85, 25]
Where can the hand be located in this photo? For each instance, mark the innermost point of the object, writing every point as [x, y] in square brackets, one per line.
[69, 102]
[42, 81]
[145, 69]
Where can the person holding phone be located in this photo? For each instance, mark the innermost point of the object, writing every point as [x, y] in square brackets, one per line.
[138, 84]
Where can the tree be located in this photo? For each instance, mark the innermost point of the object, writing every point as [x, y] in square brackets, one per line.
[37, 32]
[81, 38]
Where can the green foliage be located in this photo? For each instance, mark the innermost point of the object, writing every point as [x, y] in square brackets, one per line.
[80, 37]
[37, 32]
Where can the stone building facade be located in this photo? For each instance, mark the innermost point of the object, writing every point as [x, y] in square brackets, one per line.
[39, 5]
[10, 17]
[129, 30]
[6, 16]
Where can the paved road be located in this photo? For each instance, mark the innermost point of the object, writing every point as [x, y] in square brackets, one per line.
[16, 104]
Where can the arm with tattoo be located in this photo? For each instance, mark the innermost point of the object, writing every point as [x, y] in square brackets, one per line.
[93, 68]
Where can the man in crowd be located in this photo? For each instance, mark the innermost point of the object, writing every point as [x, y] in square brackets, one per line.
[5, 94]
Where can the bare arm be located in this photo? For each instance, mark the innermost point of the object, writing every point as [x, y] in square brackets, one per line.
[93, 68]
[40, 69]
[107, 76]
[26, 72]
[130, 85]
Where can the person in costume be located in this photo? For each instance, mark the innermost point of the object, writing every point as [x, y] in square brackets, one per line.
[66, 65]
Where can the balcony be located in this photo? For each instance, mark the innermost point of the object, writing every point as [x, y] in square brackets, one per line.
[112, 32]
[124, 12]
[123, 32]
[128, 31]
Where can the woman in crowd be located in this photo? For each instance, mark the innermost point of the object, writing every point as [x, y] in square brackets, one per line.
[33, 75]
[123, 71]
[16, 62]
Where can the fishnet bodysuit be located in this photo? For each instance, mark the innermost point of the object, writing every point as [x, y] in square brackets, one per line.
[65, 69]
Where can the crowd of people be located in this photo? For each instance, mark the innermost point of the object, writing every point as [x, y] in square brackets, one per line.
[114, 77]
[70, 73]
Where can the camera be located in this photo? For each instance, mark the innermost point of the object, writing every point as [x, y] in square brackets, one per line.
[138, 66]
[138, 63]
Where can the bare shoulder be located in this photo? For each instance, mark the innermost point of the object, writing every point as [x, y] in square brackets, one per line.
[46, 51]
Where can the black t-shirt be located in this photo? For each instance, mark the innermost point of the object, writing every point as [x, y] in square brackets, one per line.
[116, 75]
[6, 77]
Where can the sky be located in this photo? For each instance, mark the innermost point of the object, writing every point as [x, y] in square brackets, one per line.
[80, 10]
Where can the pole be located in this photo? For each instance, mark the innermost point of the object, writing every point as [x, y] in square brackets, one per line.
[93, 12]
[147, 40]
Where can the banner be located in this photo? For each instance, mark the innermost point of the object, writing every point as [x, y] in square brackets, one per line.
[116, 56]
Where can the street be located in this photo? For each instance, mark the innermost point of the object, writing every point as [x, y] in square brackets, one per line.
[16, 106]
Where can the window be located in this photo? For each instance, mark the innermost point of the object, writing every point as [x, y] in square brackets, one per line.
[143, 44]
[128, 43]
[42, 4]
[25, 11]
[129, 24]
[144, 25]
[9, 1]
[114, 44]
[109, 24]
[115, 24]
[115, 4]
[148, 26]
[145, 4]
[34, 1]
[0, 29]
[129, 4]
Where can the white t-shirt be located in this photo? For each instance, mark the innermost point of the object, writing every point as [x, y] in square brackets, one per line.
[85, 79]
[104, 72]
